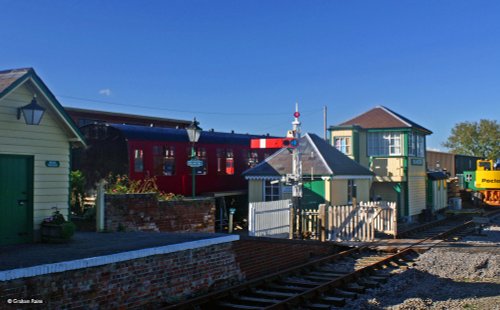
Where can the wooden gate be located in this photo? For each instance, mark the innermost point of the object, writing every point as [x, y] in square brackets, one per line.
[269, 219]
[347, 223]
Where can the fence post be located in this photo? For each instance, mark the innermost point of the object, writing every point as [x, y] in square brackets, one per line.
[100, 206]
[395, 219]
[322, 221]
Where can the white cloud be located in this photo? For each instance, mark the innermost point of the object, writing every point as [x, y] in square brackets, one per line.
[105, 92]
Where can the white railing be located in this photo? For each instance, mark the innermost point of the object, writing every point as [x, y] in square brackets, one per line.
[269, 219]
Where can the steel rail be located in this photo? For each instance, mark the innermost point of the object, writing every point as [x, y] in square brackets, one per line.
[188, 304]
[301, 297]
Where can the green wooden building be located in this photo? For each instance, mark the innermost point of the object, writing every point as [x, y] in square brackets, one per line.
[34, 155]
[393, 147]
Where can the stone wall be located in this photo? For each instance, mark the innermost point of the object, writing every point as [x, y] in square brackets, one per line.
[143, 212]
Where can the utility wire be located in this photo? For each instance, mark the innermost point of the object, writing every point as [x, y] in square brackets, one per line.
[177, 110]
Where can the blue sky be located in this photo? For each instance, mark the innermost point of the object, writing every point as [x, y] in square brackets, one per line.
[242, 65]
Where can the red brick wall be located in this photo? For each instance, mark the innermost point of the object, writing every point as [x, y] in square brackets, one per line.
[147, 281]
[262, 256]
[143, 212]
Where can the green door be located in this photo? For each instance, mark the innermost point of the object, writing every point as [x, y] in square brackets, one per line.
[16, 202]
[313, 194]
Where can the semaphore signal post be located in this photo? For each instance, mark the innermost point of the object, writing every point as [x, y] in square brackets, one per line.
[291, 142]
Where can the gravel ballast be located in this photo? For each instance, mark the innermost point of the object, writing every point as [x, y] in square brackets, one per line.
[461, 275]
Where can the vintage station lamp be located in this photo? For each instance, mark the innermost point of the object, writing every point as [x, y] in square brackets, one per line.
[194, 133]
[32, 112]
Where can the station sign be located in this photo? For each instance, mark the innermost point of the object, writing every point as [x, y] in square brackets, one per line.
[195, 163]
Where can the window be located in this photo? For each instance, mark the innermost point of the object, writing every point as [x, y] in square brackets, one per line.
[164, 160]
[271, 191]
[343, 144]
[416, 145]
[351, 190]
[225, 161]
[252, 158]
[201, 154]
[384, 143]
[138, 160]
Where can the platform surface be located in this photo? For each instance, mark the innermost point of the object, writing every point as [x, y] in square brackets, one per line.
[90, 244]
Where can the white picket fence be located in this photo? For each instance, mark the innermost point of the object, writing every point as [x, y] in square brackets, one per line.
[269, 219]
[335, 223]
[360, 222]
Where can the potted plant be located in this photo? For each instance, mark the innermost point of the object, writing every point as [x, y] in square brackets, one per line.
[55, 228]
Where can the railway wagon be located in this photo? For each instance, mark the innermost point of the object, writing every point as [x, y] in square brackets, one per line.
[142, 152]
[484, 180]
[454, 164]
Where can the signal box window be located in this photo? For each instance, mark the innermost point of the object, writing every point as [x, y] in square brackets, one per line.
[343, 144]
[201, 154]
[272, 191]
[138, 160]
[225, 161]
[384, 143]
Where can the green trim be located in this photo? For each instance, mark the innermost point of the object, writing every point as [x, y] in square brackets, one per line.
[68, 217]
[389, 129]
[430, 193]
[405, 144]
[355, 145]
[407, 196]
[55, 103]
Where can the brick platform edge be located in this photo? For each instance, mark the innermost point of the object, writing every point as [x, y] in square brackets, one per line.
[146, 277]
[154, 276]
[143, 212]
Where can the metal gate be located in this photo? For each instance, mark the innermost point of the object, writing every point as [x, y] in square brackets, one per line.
[269, 219]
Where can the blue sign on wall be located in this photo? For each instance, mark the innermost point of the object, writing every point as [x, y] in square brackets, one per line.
[52, 163]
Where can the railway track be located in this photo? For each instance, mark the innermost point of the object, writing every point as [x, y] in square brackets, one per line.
[326, 283]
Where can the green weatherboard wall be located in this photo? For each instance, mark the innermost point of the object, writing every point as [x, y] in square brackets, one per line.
[313, 194]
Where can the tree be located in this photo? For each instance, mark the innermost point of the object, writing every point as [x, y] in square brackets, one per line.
[475, 139]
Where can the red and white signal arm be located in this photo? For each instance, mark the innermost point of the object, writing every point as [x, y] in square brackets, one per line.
[275, 143]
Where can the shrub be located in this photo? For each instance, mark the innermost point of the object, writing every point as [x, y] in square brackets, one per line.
[121, 184]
